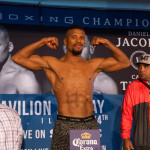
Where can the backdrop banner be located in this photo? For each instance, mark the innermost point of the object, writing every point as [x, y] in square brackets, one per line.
[50, 16]
[39, 112]
[128, 30]
[132, 42]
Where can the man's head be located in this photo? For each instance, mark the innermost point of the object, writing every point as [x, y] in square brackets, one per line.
[87, 50]
[5, 45]
[143, 63]
[75, 39]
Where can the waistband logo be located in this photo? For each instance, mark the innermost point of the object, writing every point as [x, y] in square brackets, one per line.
[84, 140]
[86, 135]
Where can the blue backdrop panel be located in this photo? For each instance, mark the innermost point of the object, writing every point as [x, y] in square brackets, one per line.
[47, 16]
[38, 114]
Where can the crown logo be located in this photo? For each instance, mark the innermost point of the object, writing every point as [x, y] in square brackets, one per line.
[85, 135]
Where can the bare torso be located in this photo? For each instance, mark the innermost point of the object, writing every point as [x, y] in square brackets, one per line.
[72, 84]
[72, 77]
[15, 79]
[7, 85]
[18, 82]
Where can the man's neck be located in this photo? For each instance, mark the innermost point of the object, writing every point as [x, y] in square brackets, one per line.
[148, 81]
[8, 66]
[73, 59]
[4, 62]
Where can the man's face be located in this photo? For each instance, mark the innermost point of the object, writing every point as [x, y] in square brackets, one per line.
[75, 40]
[144, 71]
[4, 49]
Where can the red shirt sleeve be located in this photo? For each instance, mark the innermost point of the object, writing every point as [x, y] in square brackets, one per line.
[127, 113]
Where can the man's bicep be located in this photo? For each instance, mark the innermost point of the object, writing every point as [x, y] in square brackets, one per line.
[104, 64]
[110, 64]
[34, 62]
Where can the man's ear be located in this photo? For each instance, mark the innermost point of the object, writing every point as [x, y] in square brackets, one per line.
[92, 49]
[11, 47]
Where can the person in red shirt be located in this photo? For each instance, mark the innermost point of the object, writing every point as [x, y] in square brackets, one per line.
[136, 105]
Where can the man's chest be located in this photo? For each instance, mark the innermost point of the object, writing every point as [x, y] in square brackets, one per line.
[76, 73]
[7, 84]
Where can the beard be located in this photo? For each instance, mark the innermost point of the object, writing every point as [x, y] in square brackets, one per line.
[76, 53]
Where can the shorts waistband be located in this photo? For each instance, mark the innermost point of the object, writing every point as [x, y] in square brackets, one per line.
[74, 119]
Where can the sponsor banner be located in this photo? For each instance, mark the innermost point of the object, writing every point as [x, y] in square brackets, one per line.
[132, 42]
[128, 30]
[84, 140]
[116, 19]
[39, 112]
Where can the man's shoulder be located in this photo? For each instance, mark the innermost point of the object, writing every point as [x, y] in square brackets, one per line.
[95, 62]
[17, 69]
[20, 71]
[134, 83]
[50, 58]
[96, 59]
[23, 74]
[24, 78]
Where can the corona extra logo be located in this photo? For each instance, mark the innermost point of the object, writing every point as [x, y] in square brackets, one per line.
[85, 135]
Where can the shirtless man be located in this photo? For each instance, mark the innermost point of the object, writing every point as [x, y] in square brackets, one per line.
[72, 79]
[103, 83]
[14, 79]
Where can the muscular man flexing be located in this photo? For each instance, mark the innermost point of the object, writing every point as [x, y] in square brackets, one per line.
[103, 83]
[72, 79]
